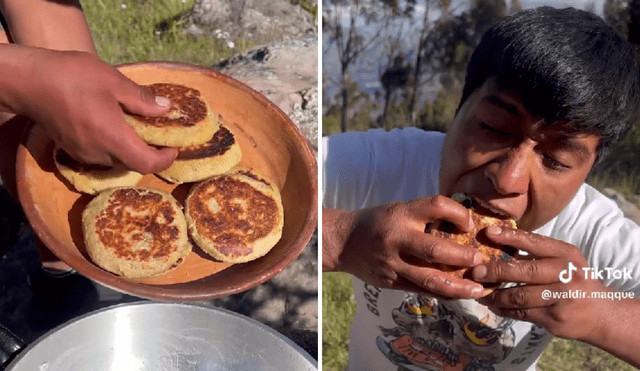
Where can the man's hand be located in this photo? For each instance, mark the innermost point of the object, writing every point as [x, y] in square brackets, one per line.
[387, 246]
[79, 101]
[574, 318]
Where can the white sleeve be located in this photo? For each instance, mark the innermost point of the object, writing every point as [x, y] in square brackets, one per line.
[363, 169]
[597, 226]
[346, 172]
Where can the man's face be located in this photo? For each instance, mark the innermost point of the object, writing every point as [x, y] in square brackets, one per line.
[495, 151]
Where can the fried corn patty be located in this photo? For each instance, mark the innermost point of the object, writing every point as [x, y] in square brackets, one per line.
[235, 217]
[93, 179]
[198, 162]
[189, 121]
[135, 232]
[482, 218]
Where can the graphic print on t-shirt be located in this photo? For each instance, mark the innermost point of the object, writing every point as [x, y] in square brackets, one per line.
[432, 334]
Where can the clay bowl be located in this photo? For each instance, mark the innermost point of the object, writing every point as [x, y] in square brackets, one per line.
[270, 143]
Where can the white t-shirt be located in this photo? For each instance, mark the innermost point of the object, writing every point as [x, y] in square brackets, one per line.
[398, 330]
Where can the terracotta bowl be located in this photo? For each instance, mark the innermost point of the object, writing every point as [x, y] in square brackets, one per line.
[270, 143]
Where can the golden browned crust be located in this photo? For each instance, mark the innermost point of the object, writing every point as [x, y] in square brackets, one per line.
[235, 218]
[135, 232]
[482, 218]
[199, 162]
[187, 106]
[250, 173]
[220, 143]
[189, 121]
[92, 179]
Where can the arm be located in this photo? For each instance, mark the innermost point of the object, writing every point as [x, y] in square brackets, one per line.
[335, 227]
[593, 315]
[78, 99]
[56, 25]
[617, 332]
[386, 246]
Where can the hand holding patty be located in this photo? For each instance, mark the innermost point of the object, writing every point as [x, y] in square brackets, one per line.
[387, 246]
[576, 317]
[80, 102]
[482, 217]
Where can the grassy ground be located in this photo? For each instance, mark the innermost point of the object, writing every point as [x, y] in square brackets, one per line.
[338, 308]
[126, 31]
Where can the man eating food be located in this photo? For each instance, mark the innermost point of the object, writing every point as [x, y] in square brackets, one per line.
[547, 94]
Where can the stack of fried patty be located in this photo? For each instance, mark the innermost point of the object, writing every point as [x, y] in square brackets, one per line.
[205, 147]
[233, 213]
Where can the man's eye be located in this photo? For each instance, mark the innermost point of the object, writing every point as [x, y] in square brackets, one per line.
[493, 131]
[553, 164]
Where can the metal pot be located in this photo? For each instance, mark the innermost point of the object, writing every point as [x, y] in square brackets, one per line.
[162, 336]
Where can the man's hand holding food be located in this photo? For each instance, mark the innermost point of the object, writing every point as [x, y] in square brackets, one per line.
[586, 317]
[387, 246]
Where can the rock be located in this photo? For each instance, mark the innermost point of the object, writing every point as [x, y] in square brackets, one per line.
[211, 12]
[629, 209]
[288, 302]
[305, 115]
[255, 20]
[287, 74]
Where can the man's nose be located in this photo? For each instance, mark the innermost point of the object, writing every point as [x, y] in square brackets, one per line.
[511, 172]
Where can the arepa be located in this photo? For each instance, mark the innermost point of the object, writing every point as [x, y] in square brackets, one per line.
[482, 218]
[189, 121]
[199, 162]
[235, 217]
[93, 179]
[135, 232]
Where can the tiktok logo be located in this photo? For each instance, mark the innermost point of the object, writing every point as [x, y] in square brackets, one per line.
[565, 274]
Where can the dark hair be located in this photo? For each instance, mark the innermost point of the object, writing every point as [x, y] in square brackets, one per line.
[568, 66]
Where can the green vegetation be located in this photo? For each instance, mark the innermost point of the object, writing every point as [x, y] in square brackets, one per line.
[307, 5]
[127, 31]
[338, 309]
[359, 110]
[571, 355]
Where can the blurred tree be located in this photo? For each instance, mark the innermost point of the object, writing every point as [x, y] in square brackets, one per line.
[445, 42]
[359, 112]
[437, 115]
[393, 67]
[515, 6]
[616, 14]
[427, 25]
[449, 46]
[353, 26]
[395, 77]
[444, 46]
[397, 114]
